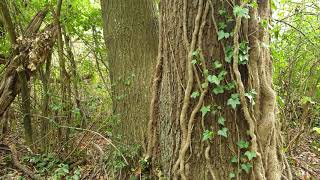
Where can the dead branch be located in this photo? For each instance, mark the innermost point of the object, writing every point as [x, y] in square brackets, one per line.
[16, 163]
[33, 51]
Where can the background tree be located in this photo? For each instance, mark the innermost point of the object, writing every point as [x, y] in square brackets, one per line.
[130, 31]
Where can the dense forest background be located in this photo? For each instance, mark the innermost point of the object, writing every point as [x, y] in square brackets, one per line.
[145, 89]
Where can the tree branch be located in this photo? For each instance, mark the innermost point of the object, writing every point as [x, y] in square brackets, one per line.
[6, 19]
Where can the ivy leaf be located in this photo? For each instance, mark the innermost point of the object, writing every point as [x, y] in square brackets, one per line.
[221, 120]
[195, 94]
[232, 175]
[217, 64]
[230, 86]
[241, 12]
[234, 101]
[246, 167]
[234, 159]
[243, 144]
[222, 12]
[316, 129]
[223, 132]
[207, 135]
[229, 54]
[222, 74]
[218, 90]
[222, 34]
[222, 25]
[206, 72]
[195, 53]
[214, 79]
[204, 110]
[194, 62]
[251, 95]
[204, 85]
[250, 155]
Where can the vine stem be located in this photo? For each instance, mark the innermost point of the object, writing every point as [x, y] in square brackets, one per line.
[241, 90]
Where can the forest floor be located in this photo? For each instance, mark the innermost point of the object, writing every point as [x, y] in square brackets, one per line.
[303, 158]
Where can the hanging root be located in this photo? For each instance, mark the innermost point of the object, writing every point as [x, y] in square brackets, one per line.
[155, 97]
[207, 156]
[259, 170]
[187, 129]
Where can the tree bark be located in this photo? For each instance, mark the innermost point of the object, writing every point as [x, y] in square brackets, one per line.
[189, 50]
[130, 33]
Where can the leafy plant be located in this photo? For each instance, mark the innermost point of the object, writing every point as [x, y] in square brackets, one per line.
[223, 132]
[241, 12]
[234, 101]
[207, 135]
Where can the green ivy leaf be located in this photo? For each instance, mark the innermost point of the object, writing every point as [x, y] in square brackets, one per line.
[217, 64]
[243, 144]
[234, 159]
[223, 132]
[234, 101]
[250, 155]
[230, 86]
[206, 72]
[241, 12]
[204, 110]
[229, 54]
[194, 62]
[222, 34]
[222, 25]
[246, 167]
[316, 129]
[207, 135]
[232, 175]
[221, 120]
[195, 94]
[222, 74]
[218, 90]
[214, 79]
[222, 12]
[195, 53]
[251, 95]
[204, 85]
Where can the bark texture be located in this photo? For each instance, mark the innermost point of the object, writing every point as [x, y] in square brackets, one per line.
[189, 31]
[130, 31]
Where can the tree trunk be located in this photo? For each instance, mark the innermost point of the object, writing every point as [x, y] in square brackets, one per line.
[213, 107]
[130, 33]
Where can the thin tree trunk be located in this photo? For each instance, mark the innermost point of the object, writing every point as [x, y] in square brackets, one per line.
[45, 78]
[130, 33]
[25, 106]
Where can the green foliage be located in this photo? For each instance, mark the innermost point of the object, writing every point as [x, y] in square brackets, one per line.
[204, 110]
[228, 54]
[243, 53]
[241, 12]
[250, 155]
[251, 95]
[221, 120]
[232, 175]
[214, 79]
[223, 35]
[223, 132]
[195, 94]
[246, 167]
[242, 144]
[234, 101]
[207, 135]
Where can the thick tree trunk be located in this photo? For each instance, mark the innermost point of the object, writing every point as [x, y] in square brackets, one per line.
[130, 33]
[194, 132]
